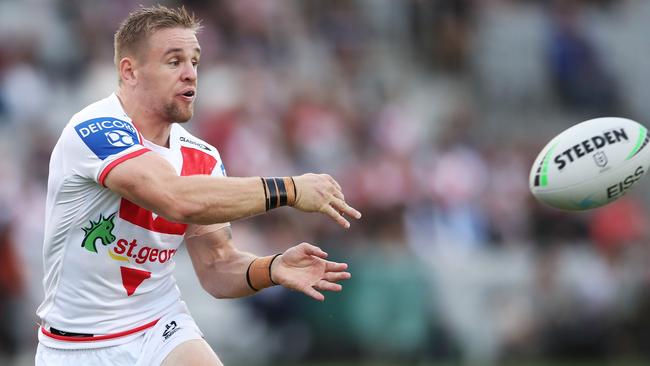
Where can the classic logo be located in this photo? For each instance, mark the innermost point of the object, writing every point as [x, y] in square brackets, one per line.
[170, 329]
[195, 143]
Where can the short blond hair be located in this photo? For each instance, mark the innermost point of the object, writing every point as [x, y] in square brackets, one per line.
[134, 31]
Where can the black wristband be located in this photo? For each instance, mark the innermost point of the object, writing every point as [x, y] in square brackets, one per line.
[277, 192]
[271, 265]
[283, 191]
[274, 199]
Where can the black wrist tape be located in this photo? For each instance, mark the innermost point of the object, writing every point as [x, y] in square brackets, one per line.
[277, 192]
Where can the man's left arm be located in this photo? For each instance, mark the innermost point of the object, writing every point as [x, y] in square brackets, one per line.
[226, 272]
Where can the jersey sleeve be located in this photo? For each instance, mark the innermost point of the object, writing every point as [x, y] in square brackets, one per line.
[95, 146]
[194, 230]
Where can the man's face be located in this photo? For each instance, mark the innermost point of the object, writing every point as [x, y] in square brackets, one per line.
[168, 73]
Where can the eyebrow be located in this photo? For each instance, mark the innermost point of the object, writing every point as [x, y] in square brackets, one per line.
[177, 49]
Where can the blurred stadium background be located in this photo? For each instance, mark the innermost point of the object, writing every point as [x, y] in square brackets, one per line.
[429, 113]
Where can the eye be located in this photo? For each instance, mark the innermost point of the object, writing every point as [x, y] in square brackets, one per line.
[195, 63]
[174, 62]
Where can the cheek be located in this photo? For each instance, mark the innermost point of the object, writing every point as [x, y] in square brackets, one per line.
[156, 80]
[146, 81]
[157, 86]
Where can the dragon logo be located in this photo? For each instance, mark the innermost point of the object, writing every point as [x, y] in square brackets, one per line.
[102, 230]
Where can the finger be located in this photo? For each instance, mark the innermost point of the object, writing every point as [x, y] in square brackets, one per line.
[339, 195]
[311, 292]
[335, 267]
[337, 191]
[334, 182]
[331, 212]
[314, 250]
[337, 276]
[328, 286]
[344, 208]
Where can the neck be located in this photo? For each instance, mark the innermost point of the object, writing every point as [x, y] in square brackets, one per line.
[148, 123]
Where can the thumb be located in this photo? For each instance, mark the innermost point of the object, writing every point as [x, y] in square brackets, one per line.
[313, 250]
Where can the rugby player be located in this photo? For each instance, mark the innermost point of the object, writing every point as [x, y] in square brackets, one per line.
[128, 185]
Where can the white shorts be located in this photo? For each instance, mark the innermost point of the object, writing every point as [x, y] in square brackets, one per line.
[148, 349]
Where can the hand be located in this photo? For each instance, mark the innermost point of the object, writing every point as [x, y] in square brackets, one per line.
[304, 268]
[321, 193]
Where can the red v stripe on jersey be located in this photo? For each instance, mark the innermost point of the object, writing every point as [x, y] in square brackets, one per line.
[194, 162]
[137, 215]
[132, 278]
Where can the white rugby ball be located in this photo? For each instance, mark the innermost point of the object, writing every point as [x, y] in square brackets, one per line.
[591, 164]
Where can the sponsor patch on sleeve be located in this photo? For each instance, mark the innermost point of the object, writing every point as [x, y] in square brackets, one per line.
[107, 136]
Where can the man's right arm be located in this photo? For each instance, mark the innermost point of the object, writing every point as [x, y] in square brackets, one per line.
[152, 183]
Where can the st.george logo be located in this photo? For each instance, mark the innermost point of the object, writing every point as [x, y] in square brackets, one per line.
[102, 231]
[119, 138]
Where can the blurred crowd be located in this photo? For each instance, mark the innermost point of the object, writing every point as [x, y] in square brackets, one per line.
[428, 112]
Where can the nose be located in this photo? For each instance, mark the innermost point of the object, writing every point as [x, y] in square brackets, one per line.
[189, 72]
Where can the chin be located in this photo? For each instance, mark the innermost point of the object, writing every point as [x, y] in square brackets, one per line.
[180, 115]
[183, 119]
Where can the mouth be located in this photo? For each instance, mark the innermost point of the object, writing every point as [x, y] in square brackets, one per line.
[187, 94]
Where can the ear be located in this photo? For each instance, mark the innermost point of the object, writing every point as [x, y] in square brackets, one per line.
[126, 69]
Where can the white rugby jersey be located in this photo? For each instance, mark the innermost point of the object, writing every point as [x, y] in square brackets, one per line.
[108, 262]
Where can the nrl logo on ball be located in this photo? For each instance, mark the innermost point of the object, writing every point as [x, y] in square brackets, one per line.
[601, 159]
